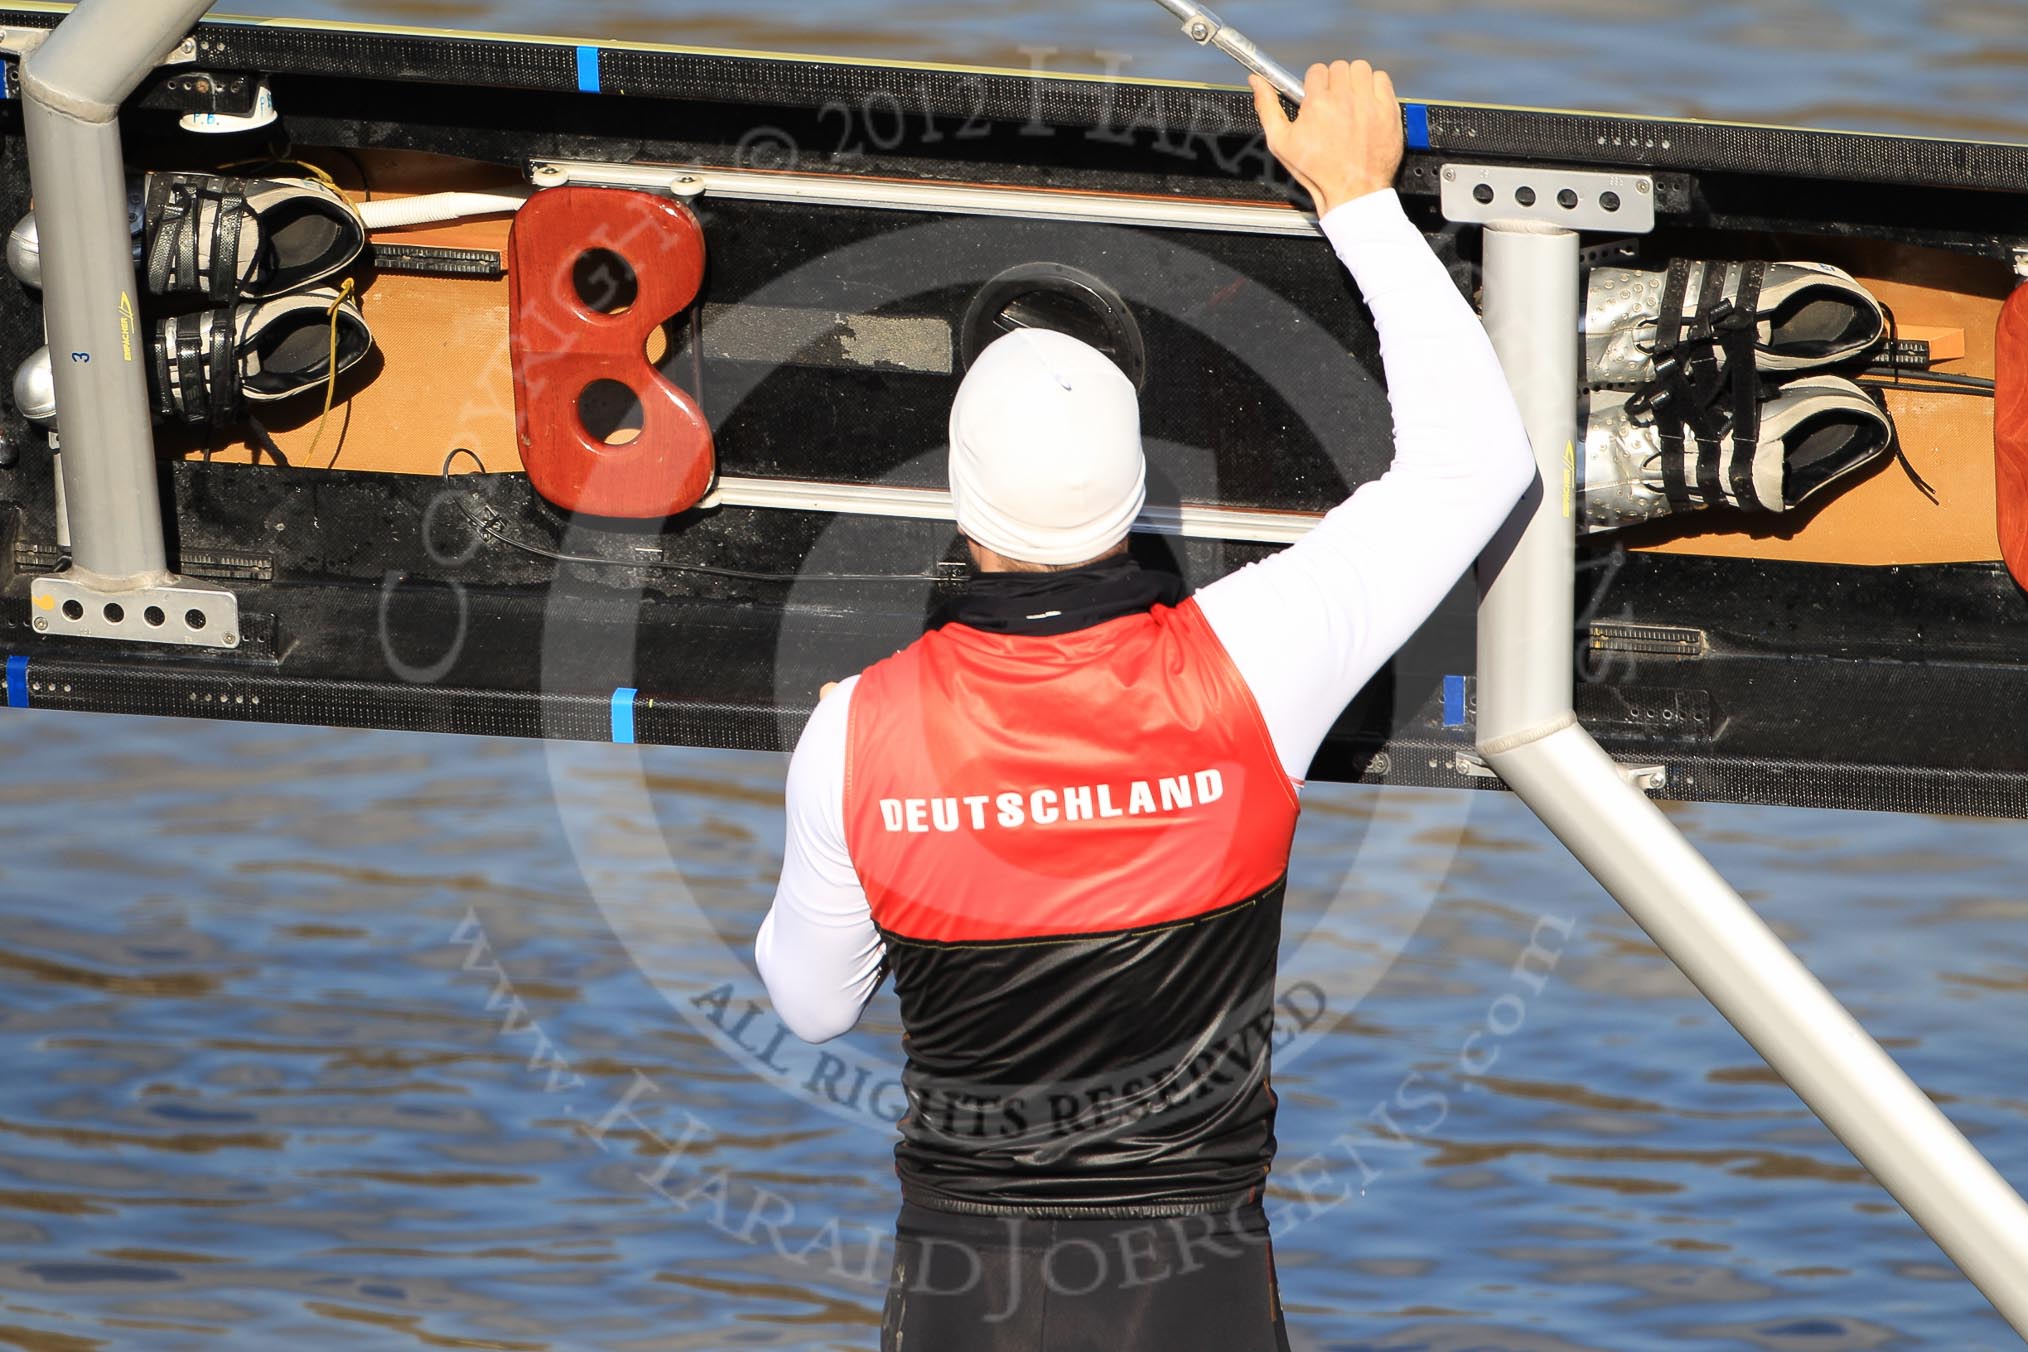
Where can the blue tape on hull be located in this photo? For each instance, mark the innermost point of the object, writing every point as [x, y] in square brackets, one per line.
[588, 70]
[1454, 701]
[17, 683]
[1415, 117]
[623, 715]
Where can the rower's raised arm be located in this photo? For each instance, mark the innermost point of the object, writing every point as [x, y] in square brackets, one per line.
[1309, 627]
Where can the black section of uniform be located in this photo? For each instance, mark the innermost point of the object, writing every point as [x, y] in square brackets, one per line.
[1020, 1284]
[1064, 602]
[1121, 1075]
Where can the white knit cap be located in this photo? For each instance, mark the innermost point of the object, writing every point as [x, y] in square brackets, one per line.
[1046, 462]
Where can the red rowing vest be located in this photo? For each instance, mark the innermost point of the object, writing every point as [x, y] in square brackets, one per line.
[1074, 846]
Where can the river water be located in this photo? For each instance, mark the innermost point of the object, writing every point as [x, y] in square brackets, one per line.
[332, 1039]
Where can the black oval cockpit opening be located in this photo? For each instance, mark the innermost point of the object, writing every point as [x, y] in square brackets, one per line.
[1061, 298]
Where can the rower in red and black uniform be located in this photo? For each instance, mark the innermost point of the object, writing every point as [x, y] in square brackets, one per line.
[1062, 818]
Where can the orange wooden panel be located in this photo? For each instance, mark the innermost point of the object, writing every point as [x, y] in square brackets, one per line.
[440, 376]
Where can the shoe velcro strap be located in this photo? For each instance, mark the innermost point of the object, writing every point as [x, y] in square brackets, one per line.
[169, 207]
[1664, 404]
[1706, 415]
[1679, 325]
[177, 349]
[192, 389]
[1675, 486]
[1683, 402]
[172, 254]
[1710, 482]
[196, 369]
[1707, 387]
[227, 229]
[1669, 317]
[226, 404]
[1740, 337]
[158, 361]
[1692, 376]
[176, 212]
[1739, 477]
[1711, 306]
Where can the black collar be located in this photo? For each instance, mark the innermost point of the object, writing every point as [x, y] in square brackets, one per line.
[1043, 604]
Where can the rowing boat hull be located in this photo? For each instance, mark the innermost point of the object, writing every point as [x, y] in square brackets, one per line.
[399, 570]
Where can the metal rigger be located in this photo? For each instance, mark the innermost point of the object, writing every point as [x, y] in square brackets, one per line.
[1528, 733]
[118, 584]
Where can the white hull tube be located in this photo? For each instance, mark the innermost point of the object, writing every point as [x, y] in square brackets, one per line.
[396, 212]
[1530, 737]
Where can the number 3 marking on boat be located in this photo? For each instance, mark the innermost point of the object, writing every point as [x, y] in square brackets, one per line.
[80, 357]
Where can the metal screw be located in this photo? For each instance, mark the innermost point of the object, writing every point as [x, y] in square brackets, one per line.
[1450, 176]
[1641, 185]
[40, 623]
[1200, 31]
[231, 639]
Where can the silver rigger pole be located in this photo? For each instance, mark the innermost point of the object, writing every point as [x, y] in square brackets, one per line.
[1529, 735]
[72, 85]
[1206, 29]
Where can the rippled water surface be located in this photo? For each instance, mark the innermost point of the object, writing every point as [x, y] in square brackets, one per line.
[322, 1039]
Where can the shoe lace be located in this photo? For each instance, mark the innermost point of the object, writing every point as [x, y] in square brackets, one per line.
[1901, 454]
[322, 175]
[331, 377]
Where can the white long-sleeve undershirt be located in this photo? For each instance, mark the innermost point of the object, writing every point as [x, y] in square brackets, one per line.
[1307, 628]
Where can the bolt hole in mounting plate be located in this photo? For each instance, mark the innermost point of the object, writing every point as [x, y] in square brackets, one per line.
[1482, 194]
[1063, 299]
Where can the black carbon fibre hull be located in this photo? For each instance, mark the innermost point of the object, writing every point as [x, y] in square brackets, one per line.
[405, 601]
